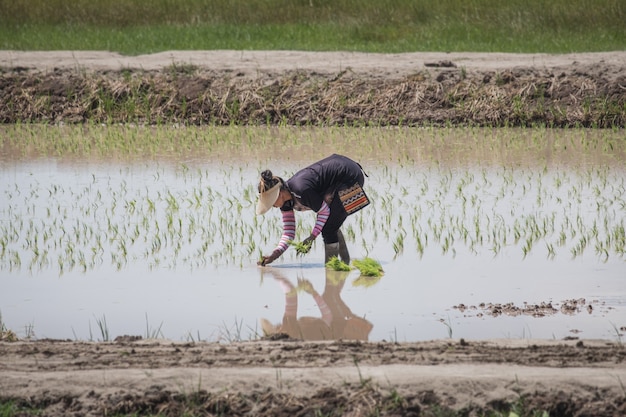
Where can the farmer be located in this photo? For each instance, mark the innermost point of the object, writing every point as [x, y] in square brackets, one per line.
[331, 187]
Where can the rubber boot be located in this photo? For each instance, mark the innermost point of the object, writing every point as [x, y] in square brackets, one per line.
[343, 249]
[330, 250]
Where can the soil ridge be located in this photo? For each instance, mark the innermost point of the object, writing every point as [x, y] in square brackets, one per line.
[315, 88]
[291, 377]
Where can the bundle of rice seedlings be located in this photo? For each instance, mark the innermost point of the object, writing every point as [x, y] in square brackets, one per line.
[368, 267]
[337, 264]
[301, 247]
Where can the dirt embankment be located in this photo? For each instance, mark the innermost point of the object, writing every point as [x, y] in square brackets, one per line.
[225, 87]
[295, 378]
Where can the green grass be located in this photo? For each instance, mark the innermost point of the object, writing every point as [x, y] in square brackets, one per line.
[135, 26]
[11, 409]
[194, 402]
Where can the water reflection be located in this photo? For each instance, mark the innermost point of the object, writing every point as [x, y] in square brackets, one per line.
[335, 321]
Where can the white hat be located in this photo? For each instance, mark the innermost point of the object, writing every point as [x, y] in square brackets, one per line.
[267, 199]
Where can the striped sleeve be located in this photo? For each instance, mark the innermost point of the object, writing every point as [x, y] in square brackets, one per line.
[322, 217]
[289, 230]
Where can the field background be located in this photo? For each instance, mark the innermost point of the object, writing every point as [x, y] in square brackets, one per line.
[137, 26]
[271, 378]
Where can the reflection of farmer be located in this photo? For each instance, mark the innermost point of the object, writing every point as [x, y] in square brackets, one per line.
[336, 321]
[330, 187]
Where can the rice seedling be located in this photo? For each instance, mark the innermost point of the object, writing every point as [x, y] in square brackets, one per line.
[302, 248]
[337, 264]
[153, 333]
[368, 267]
[103, 327]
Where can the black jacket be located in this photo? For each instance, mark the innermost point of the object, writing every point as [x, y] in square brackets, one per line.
[320, 182]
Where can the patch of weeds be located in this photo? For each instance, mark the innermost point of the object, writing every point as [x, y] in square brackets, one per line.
[235, 333]
[520, 409]
[6, 335]
[369, 267]
[337, 264]
[12, 409]
[363, 381]
[152, 333]
[395, 401]
[181, 68]
[618, 334]
[29, 331]
[103, 327]
[440, 411]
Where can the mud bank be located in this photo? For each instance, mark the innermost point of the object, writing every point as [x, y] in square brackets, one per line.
[307, 88]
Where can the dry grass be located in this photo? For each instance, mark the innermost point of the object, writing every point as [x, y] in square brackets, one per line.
[183, 94]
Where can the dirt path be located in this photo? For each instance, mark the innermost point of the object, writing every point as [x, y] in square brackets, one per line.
[252, 62]
[284, 377]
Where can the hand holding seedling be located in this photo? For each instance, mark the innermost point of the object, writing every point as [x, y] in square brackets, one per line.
[302, 248]
[266, 260]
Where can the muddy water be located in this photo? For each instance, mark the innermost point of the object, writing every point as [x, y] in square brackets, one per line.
[94, 248]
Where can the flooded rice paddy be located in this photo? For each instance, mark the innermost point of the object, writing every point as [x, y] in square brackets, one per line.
[108, 231]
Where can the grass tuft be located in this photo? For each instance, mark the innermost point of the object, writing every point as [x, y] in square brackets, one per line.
[6, 335]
